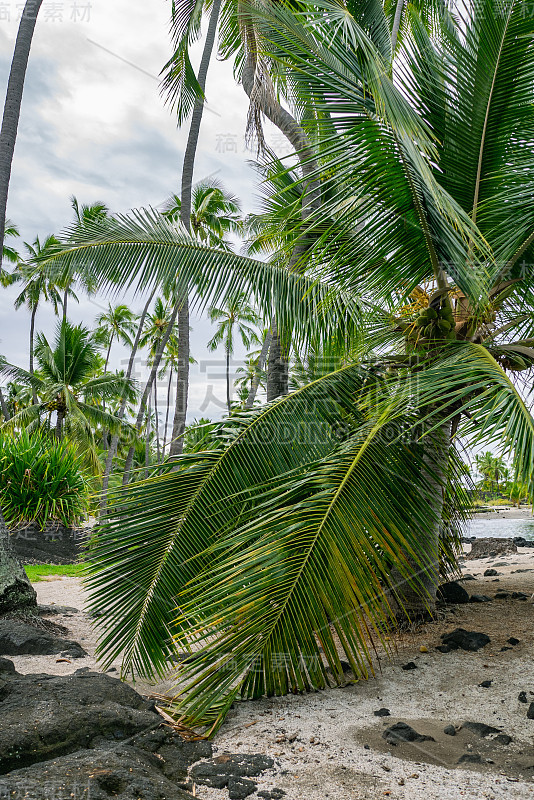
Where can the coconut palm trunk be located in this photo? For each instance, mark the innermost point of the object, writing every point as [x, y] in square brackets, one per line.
[3, 406]
[32, 340]
[278, 367]
[169, 390]
[15, 89]
[417, 597]
[182, 371]
[147, 392]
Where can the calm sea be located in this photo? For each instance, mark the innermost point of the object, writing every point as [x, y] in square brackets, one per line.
[502, 528]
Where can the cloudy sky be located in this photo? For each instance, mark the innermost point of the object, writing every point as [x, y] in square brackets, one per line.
[94, 125]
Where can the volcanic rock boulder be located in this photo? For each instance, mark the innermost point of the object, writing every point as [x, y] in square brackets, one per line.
[465, 640]
[490, 548]
[18, 639]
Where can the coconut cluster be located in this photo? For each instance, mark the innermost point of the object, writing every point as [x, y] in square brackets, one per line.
[435, 323]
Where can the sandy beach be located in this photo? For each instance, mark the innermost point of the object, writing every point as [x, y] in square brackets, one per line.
[329, 744]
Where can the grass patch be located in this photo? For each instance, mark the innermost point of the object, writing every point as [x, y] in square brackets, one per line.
[36, 572]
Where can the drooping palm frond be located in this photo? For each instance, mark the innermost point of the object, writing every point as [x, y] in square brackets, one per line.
[151, 545]
[145, 249]
[301, 580]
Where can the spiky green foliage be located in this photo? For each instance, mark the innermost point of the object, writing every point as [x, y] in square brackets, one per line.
[41, 481]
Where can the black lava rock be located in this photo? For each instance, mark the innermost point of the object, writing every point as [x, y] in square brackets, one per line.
[530, 712]
[382, 712]
[522, 697]
[7, 666]
[465, 640]
[503, 738]
[410, 665]
[402, 732]
[485, 684]
[503, 649]
[18, 639]
[240, 788]
[450, 730]
[480, 728]
[470, 758]
[520, 541]
[443, 648]
[452, 592]
[519, 596]
[218, 771]
[491, 573]
[513, 641]
[479, 598]
[274, 794]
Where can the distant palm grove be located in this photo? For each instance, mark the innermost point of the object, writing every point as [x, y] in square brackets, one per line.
[384, 293]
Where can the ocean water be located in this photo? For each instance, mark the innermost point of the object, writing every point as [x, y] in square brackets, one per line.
[501, 528]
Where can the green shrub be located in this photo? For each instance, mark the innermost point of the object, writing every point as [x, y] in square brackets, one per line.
[41, 481]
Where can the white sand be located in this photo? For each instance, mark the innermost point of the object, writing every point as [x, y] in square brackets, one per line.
[444, 688]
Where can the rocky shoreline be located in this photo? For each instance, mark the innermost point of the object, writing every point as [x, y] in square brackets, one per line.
[448, 713]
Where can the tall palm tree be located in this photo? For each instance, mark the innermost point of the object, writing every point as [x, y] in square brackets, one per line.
[116, 324]
[123, 404]
[12, 105]
[186, 92]
[84, 216]
[291, 532]
[213, 214]
[68, 389]
[37, 286]
[158, 328]
[236, 316]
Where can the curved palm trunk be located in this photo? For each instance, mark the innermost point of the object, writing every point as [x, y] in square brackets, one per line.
[147, 391]
[32, 336]
[169, 390]
[158, 451]
[228, 394]
[396, 24]
[417, 598]
[59, 425]
[115, 440]
[147, 435]
[104, 430]
[65, 301]
[182, 372]
[278, 367]
[15, 89]
[262, 358]
[3, 406]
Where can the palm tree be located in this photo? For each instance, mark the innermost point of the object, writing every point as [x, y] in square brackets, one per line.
[69, 390]
[37, 286]
[212, 213]
[155, 330]
[187, 93]
[238, 315]
[84, 216]
[278, 539]
[12, 105]
[250, 378]
[116, 324]
[215, 213]
[493, 470]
